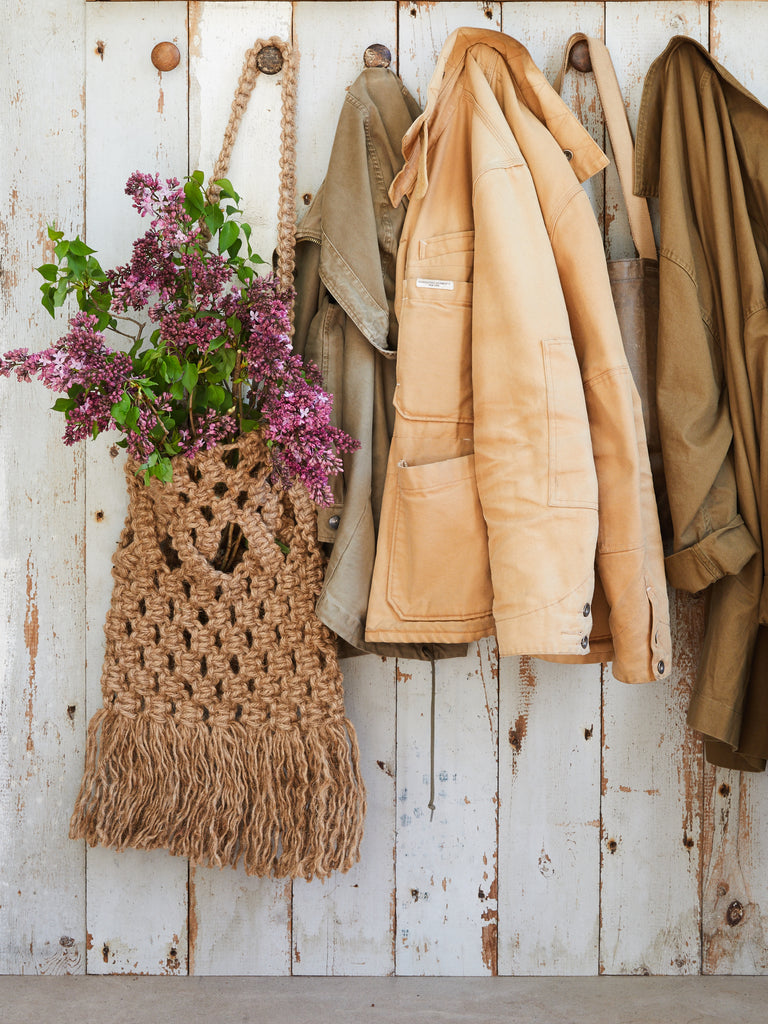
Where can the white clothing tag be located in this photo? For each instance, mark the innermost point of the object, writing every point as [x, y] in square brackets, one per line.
[426, 282]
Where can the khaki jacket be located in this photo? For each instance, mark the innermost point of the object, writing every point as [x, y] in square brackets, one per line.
[702, 147]
[344, 322]
[518, 459]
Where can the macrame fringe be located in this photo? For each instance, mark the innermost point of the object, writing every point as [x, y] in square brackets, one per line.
[285, 802]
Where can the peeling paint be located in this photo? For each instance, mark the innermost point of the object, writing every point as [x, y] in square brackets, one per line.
[32, 641]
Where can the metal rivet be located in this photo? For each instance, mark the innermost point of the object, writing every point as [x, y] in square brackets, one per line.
[585, 642]
[334, 521]
[568, 154]
[586, 609]
[660, 668]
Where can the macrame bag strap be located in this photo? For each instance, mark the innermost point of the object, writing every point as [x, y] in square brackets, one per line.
[621, 137]
[286, 207]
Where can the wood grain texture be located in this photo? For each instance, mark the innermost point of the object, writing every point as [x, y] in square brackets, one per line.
[549, 835]
[447, 863]
[137, 902]
[239, 925]
[42, 595]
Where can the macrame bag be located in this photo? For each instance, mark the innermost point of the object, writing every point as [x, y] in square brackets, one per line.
[634, 282]
[223, 736]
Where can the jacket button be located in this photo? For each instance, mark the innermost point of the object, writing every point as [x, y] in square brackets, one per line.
[585, 642]
[334, 521]
[660, 668]
[568, 154]
[586, 609]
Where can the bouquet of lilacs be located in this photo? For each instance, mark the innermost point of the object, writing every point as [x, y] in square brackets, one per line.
[216, 361]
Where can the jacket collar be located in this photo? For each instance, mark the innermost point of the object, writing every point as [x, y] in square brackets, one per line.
[534, 88]
[691, 59]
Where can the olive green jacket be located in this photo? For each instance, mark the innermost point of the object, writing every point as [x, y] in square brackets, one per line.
[345, 323]
[702, 147]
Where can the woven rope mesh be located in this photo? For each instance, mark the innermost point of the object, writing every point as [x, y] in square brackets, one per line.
[223, 734]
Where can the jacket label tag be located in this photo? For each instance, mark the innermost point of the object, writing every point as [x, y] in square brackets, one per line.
[426, 282]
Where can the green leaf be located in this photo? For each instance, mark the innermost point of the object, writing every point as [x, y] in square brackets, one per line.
[47, 299]
[190, 376]
[53, 234]
[80, 248]
[228, 235]
[194, 196]
[177, 391]
[197, 176]
[234, 324]
[120, 409]
[60, 295]
[227, 189]
[61, 249]
[283, 546]
[132, 418]
[216, 397]
[63, 405]
[214, 218]
[49, 271]
[255, 258]
[163, 469]
[247, 425]
[75, 264]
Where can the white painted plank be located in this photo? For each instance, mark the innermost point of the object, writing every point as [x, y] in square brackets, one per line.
[331, 45]
[446, 867]
[345, 926]
[424, 27]
[220, 34]
[241, 925]
[549, 828]
[137, 901]
[735, 896]
[651, 815]
[42, 595]
[636, 33]
[544, 31]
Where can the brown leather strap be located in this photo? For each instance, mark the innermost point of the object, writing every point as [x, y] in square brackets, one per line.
[621, 138]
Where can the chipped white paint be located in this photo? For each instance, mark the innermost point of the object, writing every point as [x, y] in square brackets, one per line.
[527, 866]
[42, 613]
[446, 863]
[549, 831]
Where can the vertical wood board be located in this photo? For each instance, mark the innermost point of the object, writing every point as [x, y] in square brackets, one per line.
[137, 901]
[42, 614]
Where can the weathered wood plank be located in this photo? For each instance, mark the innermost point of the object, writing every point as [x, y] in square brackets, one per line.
[549, 834]
[423, 28]
[735, 896]
[42, 594]
[137, 901]
[346, 924]
[238, 925]
[446, 864]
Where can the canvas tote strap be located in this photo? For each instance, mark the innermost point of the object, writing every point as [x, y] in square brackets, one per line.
[286, 207]
[621, 138]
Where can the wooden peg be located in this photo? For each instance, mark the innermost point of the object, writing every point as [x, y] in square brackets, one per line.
[377, 56]
[165, 56]
[580, 58]
[269, 60]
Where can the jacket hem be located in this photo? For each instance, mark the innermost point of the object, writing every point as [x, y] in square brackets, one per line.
[716, 719]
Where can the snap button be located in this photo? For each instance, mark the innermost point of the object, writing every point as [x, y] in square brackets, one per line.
[586, 609]
[585, 642]
[660, 668]
[568, 154]
[334, 521]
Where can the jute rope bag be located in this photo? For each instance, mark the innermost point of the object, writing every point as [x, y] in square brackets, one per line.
[223, 735]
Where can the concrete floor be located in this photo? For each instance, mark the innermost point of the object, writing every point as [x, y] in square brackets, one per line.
[122, 1000]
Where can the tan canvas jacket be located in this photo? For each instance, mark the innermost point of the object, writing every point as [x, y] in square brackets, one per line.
[518, 460]
[702, 147]
[346, 248]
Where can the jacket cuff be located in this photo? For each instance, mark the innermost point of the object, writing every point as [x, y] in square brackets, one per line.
[722, 553]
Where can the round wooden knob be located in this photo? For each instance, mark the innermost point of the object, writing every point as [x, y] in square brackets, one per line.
[165, 56]
[580, 58]
[377, 56]
[269, 60]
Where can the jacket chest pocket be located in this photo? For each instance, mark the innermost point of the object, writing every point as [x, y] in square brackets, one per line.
[571, 466]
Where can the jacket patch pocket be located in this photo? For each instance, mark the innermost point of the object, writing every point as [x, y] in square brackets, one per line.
[434, 354]
[439, 567]
[572, 476]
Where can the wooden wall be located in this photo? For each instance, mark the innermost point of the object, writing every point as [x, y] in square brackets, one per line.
[578, 829]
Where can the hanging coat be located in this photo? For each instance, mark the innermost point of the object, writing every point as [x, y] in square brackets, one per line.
[344, 322]
[519, 456]
[702, 147]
